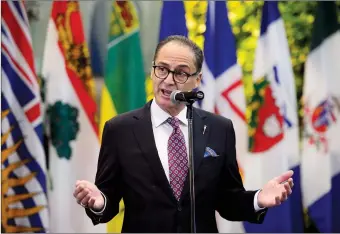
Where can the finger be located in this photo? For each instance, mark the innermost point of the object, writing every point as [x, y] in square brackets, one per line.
[78, 182]
[288, 188]
[291, 183]
[78, 190]
[91, 202]
[81, 185]
[85, 200]
[284, 196]
[277, 200]
[284, 177]
[80, 196]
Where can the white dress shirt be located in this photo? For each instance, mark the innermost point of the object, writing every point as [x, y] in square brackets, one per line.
[162, 131]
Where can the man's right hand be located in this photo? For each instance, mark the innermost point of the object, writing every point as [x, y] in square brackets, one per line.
[88, 195]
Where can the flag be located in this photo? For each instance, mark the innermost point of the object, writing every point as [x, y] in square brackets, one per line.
[222, 84]
[98, 37]
[320, 167]
[71, 110]
[24, 205]
[124, 85]
[273, 127]
[173, 20]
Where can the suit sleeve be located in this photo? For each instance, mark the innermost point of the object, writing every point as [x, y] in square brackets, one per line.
[234, 203]
[108, 177]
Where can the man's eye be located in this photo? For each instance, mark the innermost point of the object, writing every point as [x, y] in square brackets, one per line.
[161, 69]
[180, 73]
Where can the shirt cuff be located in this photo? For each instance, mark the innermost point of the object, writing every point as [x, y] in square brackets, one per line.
[256, 205]
[102, 210]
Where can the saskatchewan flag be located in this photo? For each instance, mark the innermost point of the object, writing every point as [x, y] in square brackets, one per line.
[320, 165]
[124, 87]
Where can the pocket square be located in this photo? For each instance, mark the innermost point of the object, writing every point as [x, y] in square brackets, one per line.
[209, 152]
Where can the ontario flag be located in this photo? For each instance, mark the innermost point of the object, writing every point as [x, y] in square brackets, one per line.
[320, 166]
[273, 126]
[71, 111]
[24, 206]
[222, 85]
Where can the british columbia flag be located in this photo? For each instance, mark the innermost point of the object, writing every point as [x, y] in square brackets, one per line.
[23, 167]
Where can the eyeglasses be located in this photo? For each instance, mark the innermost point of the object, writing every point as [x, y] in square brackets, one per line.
[178, 76]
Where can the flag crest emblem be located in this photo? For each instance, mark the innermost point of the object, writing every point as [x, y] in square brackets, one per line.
[123, 18]
[64, 127]
[324, 115]
[321, 118]
[266, 122]
[74, 46]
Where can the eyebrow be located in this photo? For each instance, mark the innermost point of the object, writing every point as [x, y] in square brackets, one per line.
[179, 66]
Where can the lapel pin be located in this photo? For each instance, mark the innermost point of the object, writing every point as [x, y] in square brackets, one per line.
[205, 126]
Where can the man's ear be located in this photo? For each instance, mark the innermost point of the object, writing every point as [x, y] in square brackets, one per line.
[151, 69]
[198, 80]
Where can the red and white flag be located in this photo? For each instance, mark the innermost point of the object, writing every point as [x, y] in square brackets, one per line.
[222, 85]
[71, 109]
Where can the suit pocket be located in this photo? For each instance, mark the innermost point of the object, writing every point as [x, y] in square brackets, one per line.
[209, 171]
[208, 161]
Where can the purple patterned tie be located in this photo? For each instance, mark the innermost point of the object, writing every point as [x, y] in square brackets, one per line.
[178, 160]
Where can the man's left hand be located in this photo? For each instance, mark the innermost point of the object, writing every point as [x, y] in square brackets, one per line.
[276, 190]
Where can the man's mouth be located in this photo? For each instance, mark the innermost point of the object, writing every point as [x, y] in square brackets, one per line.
[166, 92]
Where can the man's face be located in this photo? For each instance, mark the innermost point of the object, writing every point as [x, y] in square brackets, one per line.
[179, 58]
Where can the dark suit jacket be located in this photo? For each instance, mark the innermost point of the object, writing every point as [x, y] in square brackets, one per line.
[129, 167]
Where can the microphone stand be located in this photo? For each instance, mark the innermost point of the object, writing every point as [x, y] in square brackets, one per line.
[191, 165]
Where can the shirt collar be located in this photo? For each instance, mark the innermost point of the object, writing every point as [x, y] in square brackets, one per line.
[160, 116]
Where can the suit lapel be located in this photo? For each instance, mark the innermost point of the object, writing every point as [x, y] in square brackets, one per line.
[200, 138]
[145, 138]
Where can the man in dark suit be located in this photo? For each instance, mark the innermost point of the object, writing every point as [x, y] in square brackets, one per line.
[144, 159]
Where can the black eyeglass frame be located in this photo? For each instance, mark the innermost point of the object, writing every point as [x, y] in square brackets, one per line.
[173, 74]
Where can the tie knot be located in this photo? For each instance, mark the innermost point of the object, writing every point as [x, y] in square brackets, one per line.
[174, 122]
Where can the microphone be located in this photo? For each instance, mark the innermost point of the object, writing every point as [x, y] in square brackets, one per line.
[189, 96]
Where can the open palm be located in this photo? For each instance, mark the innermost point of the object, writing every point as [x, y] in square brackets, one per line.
[276, 190]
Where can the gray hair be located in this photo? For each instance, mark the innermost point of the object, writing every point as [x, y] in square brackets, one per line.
[183, 41]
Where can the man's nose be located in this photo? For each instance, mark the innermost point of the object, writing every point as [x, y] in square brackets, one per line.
[170, 78]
